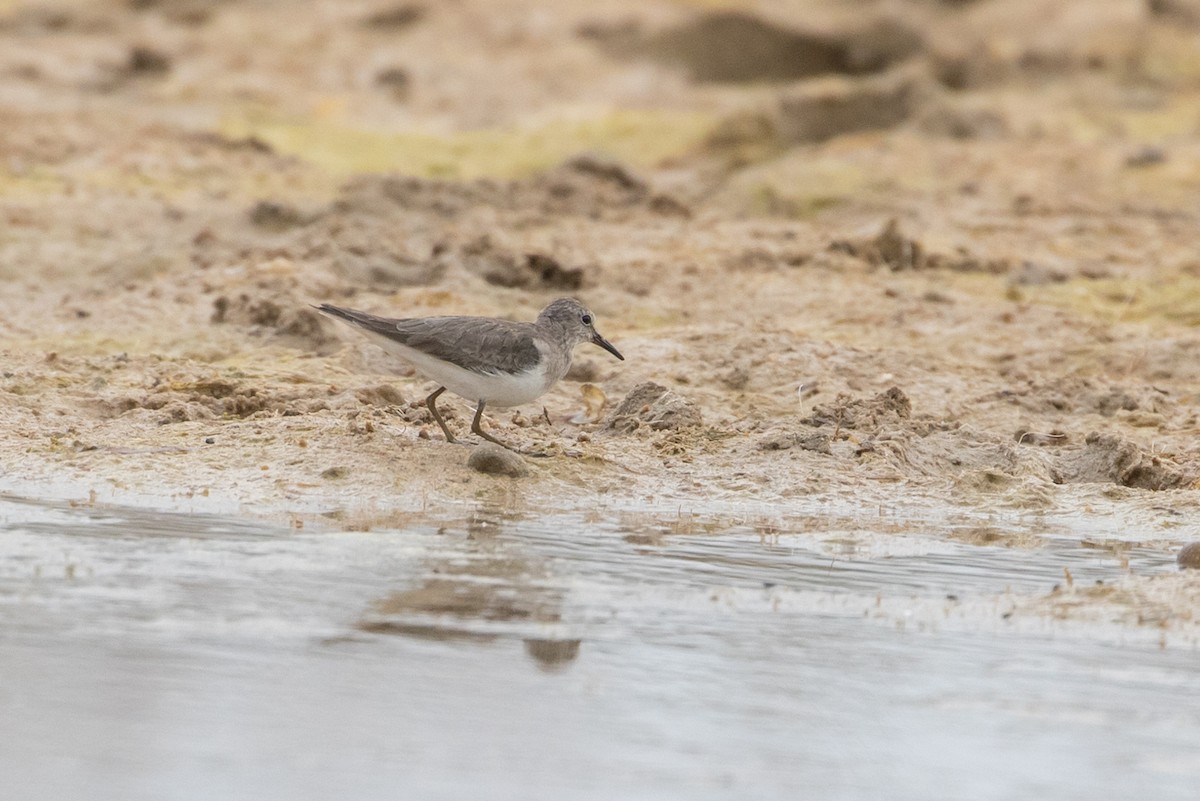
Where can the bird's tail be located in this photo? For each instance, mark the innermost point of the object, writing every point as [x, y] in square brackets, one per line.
[368, 323]
[351, 316]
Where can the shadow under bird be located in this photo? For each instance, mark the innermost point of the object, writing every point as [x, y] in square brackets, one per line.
[489, 361]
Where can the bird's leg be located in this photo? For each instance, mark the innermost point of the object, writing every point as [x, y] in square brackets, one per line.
[475, 427]
[431, 402]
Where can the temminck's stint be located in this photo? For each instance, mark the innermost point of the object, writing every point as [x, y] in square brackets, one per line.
[489, 361]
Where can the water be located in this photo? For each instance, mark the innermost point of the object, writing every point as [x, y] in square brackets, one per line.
[615, 653]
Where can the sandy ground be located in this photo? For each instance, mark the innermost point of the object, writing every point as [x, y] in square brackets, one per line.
[885, 252]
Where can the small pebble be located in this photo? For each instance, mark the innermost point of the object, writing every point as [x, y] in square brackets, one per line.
[1189, 557]
[492, 459]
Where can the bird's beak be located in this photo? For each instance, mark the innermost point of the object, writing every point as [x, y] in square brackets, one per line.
[608, 346]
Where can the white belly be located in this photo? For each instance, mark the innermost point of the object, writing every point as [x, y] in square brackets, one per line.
[495, 389]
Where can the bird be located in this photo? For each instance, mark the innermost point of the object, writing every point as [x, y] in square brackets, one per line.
[486, 360]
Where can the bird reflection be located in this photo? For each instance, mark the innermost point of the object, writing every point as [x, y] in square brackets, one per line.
[486, 591]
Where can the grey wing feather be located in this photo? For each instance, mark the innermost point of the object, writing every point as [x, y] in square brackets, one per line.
[479, 344]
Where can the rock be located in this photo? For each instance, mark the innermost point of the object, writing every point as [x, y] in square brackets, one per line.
[1189, 556]
[552, 655]
[653, 405]
[497, 461]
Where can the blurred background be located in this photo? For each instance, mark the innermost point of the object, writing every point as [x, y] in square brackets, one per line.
[164, 93]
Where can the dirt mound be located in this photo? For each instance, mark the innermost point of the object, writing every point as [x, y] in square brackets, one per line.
[1106, 458]
[862, 414]
[655, 407]
[585, 186]
[820, 110]
[184, 398]
[882, 430]
[896, 250]
[733, 46]
[1083, 395]
[502, 267]
[284, 318]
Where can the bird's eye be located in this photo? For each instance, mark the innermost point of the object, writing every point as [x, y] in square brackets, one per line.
[587, 319]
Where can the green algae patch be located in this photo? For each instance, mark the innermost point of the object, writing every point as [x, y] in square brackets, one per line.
[640, 138]
[1170, 57]
[1172, 300]
[1178, 116]
[800, 188]
[37, 182]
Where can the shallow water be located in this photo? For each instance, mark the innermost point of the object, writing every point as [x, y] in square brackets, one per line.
[617, 653]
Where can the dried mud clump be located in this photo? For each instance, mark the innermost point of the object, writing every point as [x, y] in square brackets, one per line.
[589, 186]
[273, 215]
[786, 440]
[653, 406]
[290, 322]
[206, 399]
[863, 414]
[499, 266]
[381, 395]
[372, 250]
[890, 248]
[1105, 458]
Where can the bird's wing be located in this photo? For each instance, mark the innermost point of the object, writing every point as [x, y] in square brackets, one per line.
[479, 344]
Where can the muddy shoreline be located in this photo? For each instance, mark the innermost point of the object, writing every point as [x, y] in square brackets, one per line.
[894, 267]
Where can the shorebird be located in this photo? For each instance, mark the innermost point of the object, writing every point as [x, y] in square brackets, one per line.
[483, 359]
